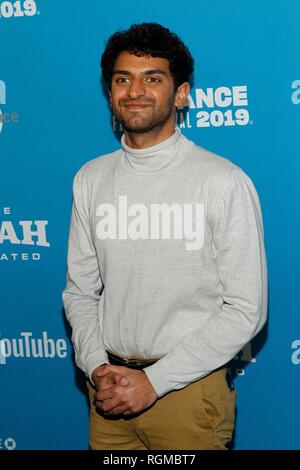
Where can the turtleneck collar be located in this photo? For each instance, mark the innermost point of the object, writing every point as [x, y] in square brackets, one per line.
[152, 158]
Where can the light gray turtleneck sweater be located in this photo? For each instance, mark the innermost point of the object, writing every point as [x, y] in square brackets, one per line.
[166, 260]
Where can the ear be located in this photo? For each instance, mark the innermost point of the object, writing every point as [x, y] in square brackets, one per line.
[182, 94]
[110, 99]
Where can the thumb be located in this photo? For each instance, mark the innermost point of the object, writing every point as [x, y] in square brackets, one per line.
[100, 373]
[123, 381]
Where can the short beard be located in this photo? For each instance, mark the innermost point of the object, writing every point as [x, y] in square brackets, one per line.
[157, 123]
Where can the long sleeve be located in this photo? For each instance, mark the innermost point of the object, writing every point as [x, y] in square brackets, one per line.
[238, 244]
[83, 288]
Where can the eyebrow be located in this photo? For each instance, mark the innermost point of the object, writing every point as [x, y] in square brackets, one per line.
[145, 72]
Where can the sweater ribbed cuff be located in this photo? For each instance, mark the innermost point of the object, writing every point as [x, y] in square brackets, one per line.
[95, 360]
[157, 377]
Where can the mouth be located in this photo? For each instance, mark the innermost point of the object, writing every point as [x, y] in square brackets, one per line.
[136, 106]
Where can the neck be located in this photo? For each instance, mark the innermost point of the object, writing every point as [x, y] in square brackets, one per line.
[141, 140]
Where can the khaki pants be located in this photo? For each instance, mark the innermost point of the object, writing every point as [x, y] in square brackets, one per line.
[199, 416]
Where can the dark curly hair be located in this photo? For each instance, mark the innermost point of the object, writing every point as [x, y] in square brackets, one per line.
[149, 39]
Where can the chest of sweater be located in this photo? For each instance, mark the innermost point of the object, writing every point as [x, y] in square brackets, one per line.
[141, 223]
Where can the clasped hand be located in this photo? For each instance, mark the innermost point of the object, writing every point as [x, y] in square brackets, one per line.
[122, 391]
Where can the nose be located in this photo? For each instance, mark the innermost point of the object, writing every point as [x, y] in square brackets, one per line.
[136, 88]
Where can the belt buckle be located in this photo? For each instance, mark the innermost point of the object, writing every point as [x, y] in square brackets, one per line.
[126, 360]
[134, 362]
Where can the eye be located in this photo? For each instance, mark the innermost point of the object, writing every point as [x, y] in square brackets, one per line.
[121, 80]
[153, 80]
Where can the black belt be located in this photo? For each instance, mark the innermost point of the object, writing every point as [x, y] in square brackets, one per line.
[131, 362]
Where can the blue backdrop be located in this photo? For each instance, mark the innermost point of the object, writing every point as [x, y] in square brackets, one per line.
[244, 105]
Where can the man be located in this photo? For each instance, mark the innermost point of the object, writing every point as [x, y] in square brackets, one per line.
[166, 266]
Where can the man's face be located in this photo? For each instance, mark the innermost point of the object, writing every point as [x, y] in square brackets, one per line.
[142, 92]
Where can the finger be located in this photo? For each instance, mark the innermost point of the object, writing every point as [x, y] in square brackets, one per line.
[112, 368]
[118, 410]
[109, 405]
[106, 394]
[109, 380]
[104, 385]
[98, 404]
[121, 380]
[104, 371]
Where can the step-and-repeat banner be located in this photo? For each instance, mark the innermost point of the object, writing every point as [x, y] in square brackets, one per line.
[54, 116]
